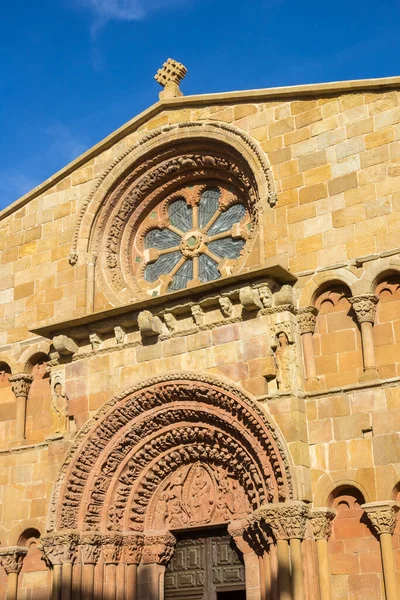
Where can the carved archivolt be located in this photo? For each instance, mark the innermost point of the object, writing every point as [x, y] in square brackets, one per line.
[175, 452]
[128, 198]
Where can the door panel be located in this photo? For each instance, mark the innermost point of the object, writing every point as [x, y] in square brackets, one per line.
[203, 568]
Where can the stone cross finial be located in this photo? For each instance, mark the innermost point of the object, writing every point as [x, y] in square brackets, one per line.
[169, 77]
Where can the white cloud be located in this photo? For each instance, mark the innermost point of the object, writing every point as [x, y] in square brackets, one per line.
[125, 10]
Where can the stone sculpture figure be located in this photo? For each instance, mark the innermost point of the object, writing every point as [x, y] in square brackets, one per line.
[201, 500]
[285, 361]
[59, 409]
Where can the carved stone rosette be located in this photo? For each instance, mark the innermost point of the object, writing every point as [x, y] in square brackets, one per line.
[11, 559]
[132, 549]
[90, 545]
[158, 548]
[21, 384]
[59, 548]
[286, 521]
[307, 318]
[321, 522]
[365, 307]
[112, 548]
[382, 515]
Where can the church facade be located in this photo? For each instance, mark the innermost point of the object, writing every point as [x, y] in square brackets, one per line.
[200, 354]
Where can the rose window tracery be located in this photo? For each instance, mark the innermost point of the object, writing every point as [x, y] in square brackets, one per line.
[193, 236]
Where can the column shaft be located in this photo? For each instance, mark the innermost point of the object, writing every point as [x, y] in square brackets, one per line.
[323, 569]
[309, 356]
[12, 586]
[66, 581]
[368, 345]
[284, 570]
[263, 579]
[90, 287]
[131, 582]
[297, 569]
[20, 424]
[87, 582]
[252, 573]
[56, 586]
[388, 564]
[110, 581]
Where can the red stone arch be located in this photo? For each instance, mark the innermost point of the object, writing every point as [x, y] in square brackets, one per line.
[123, 458]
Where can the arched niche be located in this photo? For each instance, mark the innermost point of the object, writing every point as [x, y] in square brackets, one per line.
[337, 338]
[387, 323]
[166, 162]
[149, 447]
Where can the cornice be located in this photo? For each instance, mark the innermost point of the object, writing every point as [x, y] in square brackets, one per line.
[189, 295]
[225, 98]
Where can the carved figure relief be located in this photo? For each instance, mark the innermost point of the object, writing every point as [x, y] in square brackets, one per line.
[59, 408]
[198, 495]
[286, 363]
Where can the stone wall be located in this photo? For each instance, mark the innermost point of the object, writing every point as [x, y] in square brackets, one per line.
[335, 163]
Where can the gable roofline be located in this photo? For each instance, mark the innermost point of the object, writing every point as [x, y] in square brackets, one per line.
[248, 96]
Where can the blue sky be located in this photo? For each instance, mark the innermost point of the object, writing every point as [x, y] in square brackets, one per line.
[75, 70]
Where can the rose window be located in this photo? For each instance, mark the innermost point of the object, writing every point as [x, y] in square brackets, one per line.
[194, 236]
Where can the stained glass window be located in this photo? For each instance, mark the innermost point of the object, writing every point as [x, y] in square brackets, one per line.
[196, 237]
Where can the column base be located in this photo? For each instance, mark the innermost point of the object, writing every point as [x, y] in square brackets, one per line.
[368, 375]
[313, 385]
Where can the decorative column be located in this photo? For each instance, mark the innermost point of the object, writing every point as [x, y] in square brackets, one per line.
[158, 550]
[237, 530]
[60, 550]
[288, 523]
[365, 308]
[321, 522]
[383, 516]
[11, 560]
[90, 545]
[112, 546]
[132, 547]
[307, 318]
[90, 278]
[21, 384]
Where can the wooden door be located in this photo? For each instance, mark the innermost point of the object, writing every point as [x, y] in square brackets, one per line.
[204, 568]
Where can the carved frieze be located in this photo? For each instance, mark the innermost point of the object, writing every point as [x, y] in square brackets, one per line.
[60, 547]
[286, 520]
[11, 559]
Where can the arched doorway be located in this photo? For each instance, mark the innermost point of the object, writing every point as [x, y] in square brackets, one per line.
[206, 566]
[176, 453]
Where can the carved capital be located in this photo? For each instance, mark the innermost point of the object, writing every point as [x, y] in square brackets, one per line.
[90, 545]
[158, 549]
[60, 548]
[321, 522]
[149, 325]
[132, 549]
[307, 318]
[21, 384]
[112, 548]
[382, 515]
[365, 307]
[11, 559]
[286, 520]
[64, 345]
